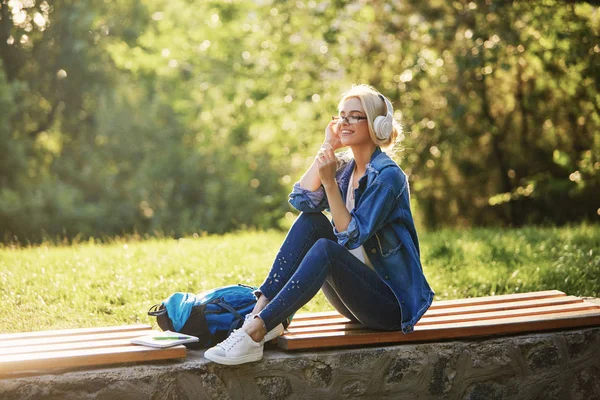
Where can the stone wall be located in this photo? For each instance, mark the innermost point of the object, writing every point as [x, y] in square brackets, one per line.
[561, 365]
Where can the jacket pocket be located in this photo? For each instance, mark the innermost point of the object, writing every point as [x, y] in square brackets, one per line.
[387, 241]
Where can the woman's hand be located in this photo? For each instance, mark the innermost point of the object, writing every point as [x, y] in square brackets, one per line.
[327, 165]
[332, 135]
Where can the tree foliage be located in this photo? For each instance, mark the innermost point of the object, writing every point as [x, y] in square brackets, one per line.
[180, 117]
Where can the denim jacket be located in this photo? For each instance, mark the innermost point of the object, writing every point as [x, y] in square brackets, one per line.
[382, 222]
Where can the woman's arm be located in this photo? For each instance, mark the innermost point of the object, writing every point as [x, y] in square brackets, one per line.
[326, 163]
[339, 212]
[311, 180]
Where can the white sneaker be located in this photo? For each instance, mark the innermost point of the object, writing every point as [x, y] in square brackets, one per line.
[238, 348]
[272, 334]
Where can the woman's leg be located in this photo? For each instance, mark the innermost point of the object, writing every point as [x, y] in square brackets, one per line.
[306, 230]
[364, 294]
[357, 286]
[337, 303]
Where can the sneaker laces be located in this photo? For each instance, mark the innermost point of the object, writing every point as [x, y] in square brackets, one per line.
[233, 339]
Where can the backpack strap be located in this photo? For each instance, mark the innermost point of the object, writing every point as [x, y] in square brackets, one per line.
[157, 310]
[237, 316]
[162, 318]
[251, 288]
[229, 308]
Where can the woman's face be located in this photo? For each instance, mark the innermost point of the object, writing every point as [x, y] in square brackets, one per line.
[356, 134]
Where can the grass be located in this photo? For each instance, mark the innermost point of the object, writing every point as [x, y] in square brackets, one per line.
[92, 284]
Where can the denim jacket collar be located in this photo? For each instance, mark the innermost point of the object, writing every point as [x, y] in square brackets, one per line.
[379, 160]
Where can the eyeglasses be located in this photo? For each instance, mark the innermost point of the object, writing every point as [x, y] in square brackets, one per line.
[353, 119]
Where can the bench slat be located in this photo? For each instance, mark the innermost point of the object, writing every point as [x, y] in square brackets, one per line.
[346, 325]
[39, 348]
[334, 317]
[319, 321]
[473, 301]
[28, 364]
[507, 313]
[433, 315]
[501, 298]
[72, 332]
[442, 331]
[71, 338]
[513, 305]
[34, 353]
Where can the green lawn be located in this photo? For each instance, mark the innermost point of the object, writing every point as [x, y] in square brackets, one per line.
[91, 284]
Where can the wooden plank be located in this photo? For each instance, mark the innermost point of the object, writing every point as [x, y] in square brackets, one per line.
[473, 301]
[539, 308]
[501, 298]
[570, 317]
[332, 317]
[318, 322]
[322, 326]
[43, 347]
[443, 331]
[72, 332]
[32, 353]
[521, 312]
[71, 339]
[315, 316]
[340, 328]
[18, 364]
[513, 305]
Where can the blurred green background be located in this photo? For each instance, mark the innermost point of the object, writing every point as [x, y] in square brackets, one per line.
[171, 117]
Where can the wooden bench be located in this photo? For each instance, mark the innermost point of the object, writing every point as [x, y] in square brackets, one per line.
[35, 353]
[450, 319]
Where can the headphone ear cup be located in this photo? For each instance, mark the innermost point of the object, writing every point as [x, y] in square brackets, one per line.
[383, 126]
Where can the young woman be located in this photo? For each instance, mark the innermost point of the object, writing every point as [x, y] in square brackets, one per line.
[367, 263]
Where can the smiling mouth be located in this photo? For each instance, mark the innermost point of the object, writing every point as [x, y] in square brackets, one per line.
[346, 132]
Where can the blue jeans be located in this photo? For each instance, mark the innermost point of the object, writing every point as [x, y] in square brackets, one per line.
[311, 259]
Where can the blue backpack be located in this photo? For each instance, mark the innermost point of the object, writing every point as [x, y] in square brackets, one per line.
[211, 315]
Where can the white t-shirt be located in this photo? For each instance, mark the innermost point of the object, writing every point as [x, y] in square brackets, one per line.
[359, 252]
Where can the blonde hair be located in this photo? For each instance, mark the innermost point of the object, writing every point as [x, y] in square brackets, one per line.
[374, 106]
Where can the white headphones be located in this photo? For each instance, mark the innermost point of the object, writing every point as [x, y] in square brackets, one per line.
[383, 125]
